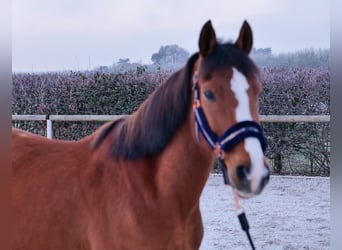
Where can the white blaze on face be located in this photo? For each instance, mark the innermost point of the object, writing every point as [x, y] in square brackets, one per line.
[239, 86]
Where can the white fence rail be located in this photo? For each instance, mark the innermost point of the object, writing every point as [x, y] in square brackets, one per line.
[50, 118]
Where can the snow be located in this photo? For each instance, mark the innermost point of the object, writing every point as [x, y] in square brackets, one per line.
[291, 213]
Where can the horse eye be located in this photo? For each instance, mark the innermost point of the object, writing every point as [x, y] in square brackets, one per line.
[210, 95]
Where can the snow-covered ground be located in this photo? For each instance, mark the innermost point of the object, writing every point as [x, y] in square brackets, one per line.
[291, 213]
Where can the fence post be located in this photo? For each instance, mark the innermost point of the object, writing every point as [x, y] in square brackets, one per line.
[49, 132]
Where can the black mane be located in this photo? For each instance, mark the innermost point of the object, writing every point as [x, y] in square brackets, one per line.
[151, 127]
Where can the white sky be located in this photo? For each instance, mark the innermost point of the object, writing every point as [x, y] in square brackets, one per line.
[81, 34]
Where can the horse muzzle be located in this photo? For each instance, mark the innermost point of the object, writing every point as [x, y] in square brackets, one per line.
[247, 180]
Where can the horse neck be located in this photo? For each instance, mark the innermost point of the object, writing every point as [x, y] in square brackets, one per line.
[185, 165]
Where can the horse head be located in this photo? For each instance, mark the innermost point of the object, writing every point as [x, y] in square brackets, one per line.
[226, 87]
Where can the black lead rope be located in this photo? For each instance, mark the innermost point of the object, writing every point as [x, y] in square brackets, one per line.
[243, 219]
[245, 227]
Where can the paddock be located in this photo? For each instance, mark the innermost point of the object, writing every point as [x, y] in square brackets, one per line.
[292, 213]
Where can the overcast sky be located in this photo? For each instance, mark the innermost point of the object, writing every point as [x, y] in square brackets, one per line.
[82, 34]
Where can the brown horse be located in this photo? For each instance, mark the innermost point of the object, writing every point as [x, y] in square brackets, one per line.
[136, 182]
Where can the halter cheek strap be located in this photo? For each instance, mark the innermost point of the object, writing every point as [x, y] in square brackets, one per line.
[229, 138]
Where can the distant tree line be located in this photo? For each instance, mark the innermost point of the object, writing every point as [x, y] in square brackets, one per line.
[172, 57]
[168, 57]
[306, 58]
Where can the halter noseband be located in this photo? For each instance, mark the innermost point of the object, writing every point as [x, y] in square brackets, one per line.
[229, 138]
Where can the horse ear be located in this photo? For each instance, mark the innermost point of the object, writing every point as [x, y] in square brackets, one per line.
[207, 41]
[245, 39]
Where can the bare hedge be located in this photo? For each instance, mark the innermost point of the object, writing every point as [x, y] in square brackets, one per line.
[294, 148]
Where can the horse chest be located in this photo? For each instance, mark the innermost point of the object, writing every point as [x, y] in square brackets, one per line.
[139, 228]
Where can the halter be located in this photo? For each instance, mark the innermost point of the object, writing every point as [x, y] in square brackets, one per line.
[231, 137]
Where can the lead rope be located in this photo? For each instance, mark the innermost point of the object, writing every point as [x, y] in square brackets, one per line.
[242, 218]
[240, 212]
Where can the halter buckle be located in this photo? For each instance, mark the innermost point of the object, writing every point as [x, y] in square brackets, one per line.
[196, 104]
[218, 151]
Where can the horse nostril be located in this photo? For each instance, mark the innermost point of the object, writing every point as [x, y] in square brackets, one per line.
[242, 174]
